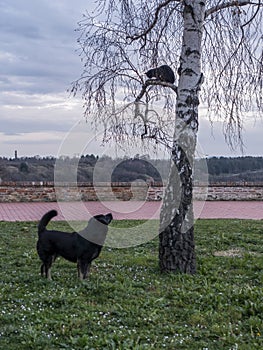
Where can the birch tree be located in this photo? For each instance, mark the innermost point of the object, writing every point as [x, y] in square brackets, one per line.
[214, 46]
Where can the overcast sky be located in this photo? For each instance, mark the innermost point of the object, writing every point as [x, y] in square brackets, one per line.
[38, 62]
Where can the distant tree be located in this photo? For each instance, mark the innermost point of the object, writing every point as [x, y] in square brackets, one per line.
[24, 168]
[218, 40]
[134, 169]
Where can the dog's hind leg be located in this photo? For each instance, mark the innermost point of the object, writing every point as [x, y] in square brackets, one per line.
[46, 271]
[46, 267]
[81, 276]
[49, 274]
[43, 270]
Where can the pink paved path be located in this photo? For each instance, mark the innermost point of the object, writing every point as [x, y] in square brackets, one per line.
[127, 210]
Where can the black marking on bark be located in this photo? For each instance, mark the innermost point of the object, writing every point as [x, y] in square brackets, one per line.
[192, 101]
[188, 71]
[189, 52]
[189, 9]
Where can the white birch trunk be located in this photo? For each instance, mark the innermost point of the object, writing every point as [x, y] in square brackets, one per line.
[176, 246]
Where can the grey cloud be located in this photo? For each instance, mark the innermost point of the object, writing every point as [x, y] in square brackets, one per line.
[33, 142]
[212, 141]
[38, 43]
[20, 30]
[10, 133]
[38, 60]
[16, 127]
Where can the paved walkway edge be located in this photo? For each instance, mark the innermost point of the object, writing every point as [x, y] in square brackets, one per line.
[127, 210]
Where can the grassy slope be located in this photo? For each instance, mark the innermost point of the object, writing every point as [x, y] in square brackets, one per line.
[126, 303]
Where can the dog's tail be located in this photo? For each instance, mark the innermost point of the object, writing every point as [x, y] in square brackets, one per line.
[45, 220]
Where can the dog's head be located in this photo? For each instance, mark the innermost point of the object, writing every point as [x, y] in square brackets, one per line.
[104, 219]
[97, 228]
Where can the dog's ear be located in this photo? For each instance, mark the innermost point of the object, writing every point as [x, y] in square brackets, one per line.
[104, 219]
[108, 218]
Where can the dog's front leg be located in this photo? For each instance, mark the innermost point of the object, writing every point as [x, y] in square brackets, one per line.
[48, 273]
[86, 270]
[80, 274]
[83, 269]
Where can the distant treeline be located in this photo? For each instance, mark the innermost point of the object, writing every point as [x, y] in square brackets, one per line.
[91, 168]
[235, 169]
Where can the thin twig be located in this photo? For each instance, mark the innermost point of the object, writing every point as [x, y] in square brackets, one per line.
[152, 25]
[228, 4]
[255, 14]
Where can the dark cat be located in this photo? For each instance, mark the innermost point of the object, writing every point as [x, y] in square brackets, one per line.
[163, 73]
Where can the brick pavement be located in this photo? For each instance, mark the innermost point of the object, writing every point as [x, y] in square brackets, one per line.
[127, 210]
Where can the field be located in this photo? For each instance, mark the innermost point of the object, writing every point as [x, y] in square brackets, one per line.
[126, 303]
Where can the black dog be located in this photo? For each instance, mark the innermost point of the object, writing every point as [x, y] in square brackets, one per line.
[80, 247]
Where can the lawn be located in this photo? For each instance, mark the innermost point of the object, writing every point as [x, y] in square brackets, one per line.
[126, 303]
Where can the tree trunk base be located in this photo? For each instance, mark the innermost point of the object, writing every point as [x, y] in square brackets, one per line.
[177, 250]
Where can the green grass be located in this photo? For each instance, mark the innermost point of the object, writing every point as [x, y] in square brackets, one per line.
[126, 303]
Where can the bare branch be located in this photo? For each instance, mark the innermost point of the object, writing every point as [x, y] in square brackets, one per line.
[154, 82]
[228, 4]
[254, 15]
[233, 66]
[154, 22]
